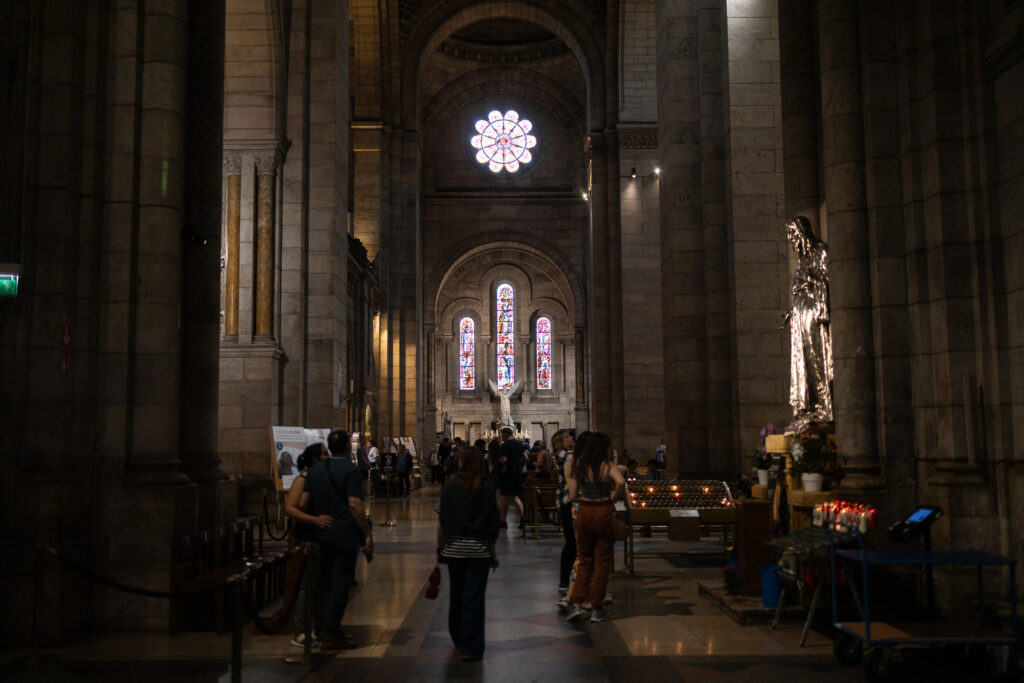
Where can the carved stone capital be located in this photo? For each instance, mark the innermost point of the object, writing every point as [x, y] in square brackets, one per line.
[232, 165]
[267, 165]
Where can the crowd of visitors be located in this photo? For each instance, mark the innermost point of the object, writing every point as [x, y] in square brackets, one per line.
[478, 484]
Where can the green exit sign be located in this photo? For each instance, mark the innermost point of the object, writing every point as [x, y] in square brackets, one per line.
[8, 284]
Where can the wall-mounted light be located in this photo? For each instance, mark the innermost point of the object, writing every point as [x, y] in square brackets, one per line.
[657, 170]
[586, 197]
[632, 172]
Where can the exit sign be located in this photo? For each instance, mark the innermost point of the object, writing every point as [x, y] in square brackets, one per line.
[8, 284]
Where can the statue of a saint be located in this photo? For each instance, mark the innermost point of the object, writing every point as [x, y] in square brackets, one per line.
[447, 432]
[810, 388]
[505, 396]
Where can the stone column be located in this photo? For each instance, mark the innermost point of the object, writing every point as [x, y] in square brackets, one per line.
[266, 168]
[233, 170]
[847, 226]
[156, 333]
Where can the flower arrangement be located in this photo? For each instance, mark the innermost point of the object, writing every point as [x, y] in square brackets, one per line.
[759, 457]
[815, 452]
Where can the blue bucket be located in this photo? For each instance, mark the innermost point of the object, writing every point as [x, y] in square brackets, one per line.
[770, 588]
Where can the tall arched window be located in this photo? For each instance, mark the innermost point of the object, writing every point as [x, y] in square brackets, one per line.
[543, 354]
[467, 349]
[506, 334]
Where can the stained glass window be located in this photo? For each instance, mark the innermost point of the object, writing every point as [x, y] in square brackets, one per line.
[504, 141]
[543, 353]
[467, 361]
[506, 343]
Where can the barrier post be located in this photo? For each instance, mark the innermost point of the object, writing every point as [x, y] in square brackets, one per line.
[263, 520]
[388, 522]
[237, 583]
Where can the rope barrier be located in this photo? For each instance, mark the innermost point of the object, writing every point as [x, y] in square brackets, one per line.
[145, 592]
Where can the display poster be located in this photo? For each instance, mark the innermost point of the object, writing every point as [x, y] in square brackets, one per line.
[409, 444]
[286, 445]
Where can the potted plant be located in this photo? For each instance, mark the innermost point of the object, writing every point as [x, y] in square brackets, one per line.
[815, 458]
[759, 457]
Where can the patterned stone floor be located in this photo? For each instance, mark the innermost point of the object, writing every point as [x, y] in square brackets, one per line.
[662, 631]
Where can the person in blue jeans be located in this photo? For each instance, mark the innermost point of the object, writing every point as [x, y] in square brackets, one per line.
[467, 528]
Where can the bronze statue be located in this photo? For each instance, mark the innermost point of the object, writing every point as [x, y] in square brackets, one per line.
[810, 388]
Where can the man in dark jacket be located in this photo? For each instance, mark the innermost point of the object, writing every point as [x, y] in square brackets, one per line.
[404, 468]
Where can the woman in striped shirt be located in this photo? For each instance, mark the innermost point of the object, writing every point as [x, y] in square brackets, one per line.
[467, 529]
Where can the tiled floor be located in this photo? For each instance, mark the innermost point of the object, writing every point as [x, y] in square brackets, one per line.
[662, 631]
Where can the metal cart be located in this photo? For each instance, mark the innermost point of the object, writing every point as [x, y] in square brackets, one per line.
[882, 637]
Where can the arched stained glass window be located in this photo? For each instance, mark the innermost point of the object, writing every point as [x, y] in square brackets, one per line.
[504, 141]
[543, 354]
[467, 359]
[505, 336]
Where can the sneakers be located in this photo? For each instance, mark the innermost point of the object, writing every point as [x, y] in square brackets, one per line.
[563, 589]
[587, 606]
[575, 613]
[564, 603]
[599, 615]
[299, 640]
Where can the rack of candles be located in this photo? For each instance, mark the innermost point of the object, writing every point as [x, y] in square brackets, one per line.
[837, 513]
[692, 494]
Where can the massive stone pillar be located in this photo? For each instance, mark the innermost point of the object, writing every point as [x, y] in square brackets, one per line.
[847, 237]
[758, 268]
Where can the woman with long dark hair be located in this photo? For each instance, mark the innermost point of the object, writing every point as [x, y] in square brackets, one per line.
[467, 529]
[596, 482]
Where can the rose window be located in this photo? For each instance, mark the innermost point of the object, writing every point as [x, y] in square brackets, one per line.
[504, 141]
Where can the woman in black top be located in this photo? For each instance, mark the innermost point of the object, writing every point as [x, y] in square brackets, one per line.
[467, 529]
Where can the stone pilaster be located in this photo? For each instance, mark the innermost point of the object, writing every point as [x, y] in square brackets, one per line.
[847, 237]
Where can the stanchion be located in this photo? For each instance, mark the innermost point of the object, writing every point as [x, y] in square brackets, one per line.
[388, 522]
[36, 659]
[307, 656]
[263, 521]
[237, 585]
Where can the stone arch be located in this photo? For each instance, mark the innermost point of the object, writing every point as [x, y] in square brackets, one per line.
[442, 19]
[506, 245]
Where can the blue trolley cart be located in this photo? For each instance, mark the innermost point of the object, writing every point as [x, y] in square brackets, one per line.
[883, 637]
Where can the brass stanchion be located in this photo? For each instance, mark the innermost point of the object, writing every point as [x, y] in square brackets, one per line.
[263, 522]
[307, 656]
[388, 522]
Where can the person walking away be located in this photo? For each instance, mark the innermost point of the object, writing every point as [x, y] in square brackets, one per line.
[510, 464]
[304, 528]
[596, 483]
[444, 452]
[564, 444]
[403, 465]
[467, 529]
[335, 487]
